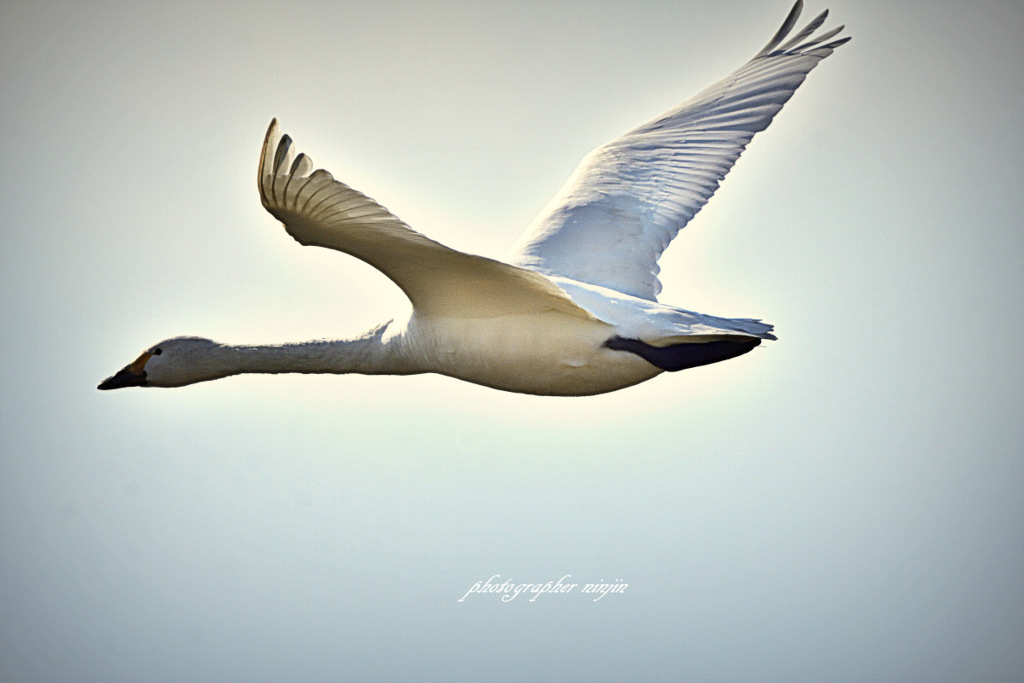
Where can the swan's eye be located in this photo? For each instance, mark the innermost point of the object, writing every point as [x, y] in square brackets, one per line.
[157, 352]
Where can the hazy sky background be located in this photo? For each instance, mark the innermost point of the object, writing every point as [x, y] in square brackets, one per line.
[844, 504]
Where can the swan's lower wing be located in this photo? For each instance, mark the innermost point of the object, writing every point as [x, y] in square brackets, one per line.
[629, 198]
[318, 210]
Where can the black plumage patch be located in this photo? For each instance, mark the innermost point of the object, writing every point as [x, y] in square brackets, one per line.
[686, 355]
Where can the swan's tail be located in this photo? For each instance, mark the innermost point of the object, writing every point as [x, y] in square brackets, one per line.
[747, 326]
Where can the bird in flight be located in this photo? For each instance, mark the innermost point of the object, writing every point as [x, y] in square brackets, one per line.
[573, 310]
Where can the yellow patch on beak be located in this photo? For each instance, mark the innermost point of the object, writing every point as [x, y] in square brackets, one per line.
[139, 366]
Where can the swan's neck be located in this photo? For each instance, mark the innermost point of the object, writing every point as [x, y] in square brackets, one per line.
[368, 354]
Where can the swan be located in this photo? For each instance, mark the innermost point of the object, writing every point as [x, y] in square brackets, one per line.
[574, 310]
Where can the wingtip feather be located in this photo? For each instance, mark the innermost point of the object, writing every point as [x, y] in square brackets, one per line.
[266, 159]
[301, 167]
[787, 26]
[836, 43]
[801, 42]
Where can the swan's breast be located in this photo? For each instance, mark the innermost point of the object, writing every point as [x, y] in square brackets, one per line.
[547, 353]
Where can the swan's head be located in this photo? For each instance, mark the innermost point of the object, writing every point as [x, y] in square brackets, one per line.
[171, 363]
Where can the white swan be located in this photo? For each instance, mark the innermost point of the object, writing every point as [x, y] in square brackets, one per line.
[574, 311]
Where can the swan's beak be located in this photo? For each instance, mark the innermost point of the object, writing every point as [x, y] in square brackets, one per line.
[124, 378]
[133, 375]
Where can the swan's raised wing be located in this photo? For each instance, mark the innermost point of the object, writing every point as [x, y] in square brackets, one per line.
[627, 199]
[318, 210]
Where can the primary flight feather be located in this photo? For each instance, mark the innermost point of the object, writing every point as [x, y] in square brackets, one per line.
[574, 311]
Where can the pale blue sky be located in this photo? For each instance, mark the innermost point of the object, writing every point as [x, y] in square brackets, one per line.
[844, 504]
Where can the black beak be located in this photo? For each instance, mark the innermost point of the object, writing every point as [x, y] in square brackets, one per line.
[124, 378]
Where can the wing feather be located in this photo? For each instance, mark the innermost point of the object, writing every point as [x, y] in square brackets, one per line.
[629, 198]
[318, 210]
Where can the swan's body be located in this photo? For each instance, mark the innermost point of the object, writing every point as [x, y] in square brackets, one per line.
[574, 311]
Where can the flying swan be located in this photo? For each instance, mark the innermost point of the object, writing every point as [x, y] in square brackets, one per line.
[574, 310]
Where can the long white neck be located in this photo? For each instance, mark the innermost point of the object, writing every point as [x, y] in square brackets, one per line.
[368, 354]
